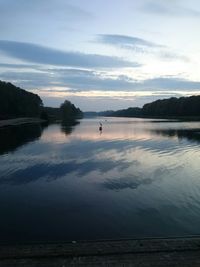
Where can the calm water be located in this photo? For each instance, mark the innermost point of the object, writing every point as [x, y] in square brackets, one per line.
[139, 178]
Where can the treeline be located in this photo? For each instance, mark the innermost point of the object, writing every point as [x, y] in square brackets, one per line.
[172, 107]
[16, 102]
[129, 112]
[183, 106]
[66, 112]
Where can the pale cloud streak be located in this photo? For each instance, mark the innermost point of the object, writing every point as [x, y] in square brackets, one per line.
[141, 46]
[124, 41]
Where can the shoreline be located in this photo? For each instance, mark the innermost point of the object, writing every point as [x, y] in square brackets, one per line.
[174, 118]
[19, 121]
[181, 251]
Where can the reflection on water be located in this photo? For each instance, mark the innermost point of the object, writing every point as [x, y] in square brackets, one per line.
[136, 178]
[68, 127]
[13, 137]
[190, 134]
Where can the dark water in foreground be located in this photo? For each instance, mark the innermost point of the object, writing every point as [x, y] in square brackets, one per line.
[138, 178]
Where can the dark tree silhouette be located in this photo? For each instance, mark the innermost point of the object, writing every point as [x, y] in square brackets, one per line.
[16, 102]
[183, 106]
[171, 107]
[69, 111]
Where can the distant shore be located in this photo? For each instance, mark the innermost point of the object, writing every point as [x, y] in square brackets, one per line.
[19, 121]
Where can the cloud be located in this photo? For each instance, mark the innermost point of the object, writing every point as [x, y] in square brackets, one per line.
[82, 80]
[171, 83]
[60, 9]
[18, 66]
[140, 45]
[73, 79]
[124, 41]
[43, 55]
[170, 55]
[28, 80]
[90, 80]
[169, 8]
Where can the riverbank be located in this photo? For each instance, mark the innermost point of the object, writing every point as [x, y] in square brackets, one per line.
[19, 121]
[163, 252]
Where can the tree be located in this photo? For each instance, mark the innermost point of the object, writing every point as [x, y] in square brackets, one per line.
[16, 102]
[69, 112]
[183, 106]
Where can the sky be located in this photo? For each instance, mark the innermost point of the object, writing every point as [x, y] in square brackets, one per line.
[100, 54]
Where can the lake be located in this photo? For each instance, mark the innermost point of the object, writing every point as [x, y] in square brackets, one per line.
[137, 178]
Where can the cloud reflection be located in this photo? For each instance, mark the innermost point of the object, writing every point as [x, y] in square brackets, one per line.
[134, 181]
[54, 171]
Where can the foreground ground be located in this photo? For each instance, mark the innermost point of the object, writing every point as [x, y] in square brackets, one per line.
[142, 252]
[19, 121]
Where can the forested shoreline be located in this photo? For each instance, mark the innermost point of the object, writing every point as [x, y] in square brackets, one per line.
[17, 103]
[162, 108]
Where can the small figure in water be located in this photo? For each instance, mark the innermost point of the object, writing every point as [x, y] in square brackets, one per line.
[100, 127]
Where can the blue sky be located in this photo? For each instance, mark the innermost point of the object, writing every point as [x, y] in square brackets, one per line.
[101, 54]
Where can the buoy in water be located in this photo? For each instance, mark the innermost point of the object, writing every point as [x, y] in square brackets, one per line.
[100, 127]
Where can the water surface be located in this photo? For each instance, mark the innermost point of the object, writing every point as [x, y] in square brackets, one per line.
[138, 178]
